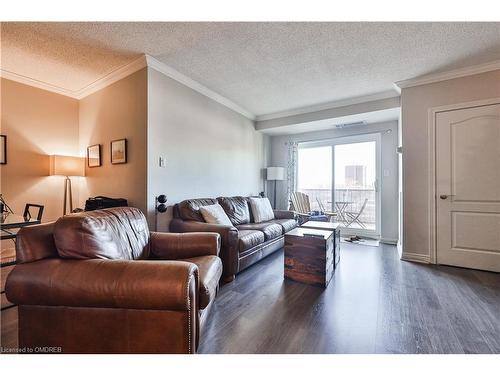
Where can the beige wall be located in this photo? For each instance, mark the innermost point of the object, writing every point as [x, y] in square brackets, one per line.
[115, 112]
[37, 123]
[416, 102]
[210, 150]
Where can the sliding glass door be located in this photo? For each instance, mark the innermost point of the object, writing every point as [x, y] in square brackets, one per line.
[342, 175]
[314, 176]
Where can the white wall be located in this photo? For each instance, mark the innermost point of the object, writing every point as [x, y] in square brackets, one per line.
[210, 150]
[389, 184]
[415, 104]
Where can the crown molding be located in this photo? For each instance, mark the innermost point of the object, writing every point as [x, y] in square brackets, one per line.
[35, 83]
[451, 74]
[112, 77]
[97, 85]
[196, 86]
[329, 105]
[124, 71]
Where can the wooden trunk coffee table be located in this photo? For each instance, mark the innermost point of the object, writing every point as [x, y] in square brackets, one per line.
[309, 259]
[328, 226]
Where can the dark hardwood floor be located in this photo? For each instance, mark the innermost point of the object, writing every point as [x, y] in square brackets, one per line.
[375, 303]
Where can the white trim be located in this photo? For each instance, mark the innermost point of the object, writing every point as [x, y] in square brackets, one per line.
[329, 105]
[389, 241]
[124, 71]
[443, 76]
[396, 87]
[414, 257]
[192, 84]
[432, 165]
[97, 85]
[35, 83]
[112, 77]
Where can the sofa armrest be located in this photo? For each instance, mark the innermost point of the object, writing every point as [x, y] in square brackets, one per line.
[136, 284]
[284, 214]
[171, 246]
[229, 241]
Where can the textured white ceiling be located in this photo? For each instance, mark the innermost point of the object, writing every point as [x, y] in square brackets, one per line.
[263, 67]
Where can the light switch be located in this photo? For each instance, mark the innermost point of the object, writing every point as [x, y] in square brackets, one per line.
[387, 173]
[162, 162]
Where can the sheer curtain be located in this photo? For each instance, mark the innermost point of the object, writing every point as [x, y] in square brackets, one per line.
[292, 147]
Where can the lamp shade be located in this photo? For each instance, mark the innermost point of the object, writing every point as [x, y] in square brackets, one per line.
[275, 173]
[67, 165]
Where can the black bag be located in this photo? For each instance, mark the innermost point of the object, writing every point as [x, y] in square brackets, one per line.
[100, 202]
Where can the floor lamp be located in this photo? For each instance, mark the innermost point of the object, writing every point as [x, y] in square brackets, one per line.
[67, 166]
[275, 174]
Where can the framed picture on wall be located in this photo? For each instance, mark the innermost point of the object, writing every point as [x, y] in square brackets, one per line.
[94, 156]
[3, 149]
[119, 151]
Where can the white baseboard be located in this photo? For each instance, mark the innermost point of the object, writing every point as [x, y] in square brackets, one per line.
[415, 257]
[389, 241]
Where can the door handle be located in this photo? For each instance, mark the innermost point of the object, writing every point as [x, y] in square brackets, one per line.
[444, 196]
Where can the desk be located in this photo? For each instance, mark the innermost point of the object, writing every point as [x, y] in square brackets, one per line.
[10, 222]
[9, 225]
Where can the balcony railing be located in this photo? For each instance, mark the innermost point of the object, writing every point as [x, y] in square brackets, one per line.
[354, 199]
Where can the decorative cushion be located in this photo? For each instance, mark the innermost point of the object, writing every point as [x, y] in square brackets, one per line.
[270, 229]
[261, 209]
[249, 238]
[189, 209]
[236, 209]
[113, 233]
[214, 214]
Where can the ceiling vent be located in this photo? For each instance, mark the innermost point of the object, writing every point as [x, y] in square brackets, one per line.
[342, 126]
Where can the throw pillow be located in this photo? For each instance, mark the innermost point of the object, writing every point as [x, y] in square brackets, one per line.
[236, 209]
[214, 214]
[261, 209]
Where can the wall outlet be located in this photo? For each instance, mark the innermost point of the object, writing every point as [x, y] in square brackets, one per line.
[387, 173]
[162, 162]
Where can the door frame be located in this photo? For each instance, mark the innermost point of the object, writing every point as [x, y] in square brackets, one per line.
[357, 138]
[432, 159]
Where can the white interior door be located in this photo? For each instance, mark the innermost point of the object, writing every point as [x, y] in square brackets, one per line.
[468, 187]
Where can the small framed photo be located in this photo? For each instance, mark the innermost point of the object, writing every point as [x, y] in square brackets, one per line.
[119, 151]
[94, 156]
[3, 149]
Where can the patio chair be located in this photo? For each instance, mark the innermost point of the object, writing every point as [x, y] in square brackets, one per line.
[353, 217]
[330, 214]
[302, 207]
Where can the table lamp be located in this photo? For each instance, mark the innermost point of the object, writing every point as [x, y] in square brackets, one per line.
[275, 174]
[67, 166]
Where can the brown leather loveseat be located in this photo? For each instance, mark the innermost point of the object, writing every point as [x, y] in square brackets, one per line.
[244, 242]
[100, 282]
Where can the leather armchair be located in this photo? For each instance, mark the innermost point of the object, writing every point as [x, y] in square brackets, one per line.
[156, 303]
[229, 241]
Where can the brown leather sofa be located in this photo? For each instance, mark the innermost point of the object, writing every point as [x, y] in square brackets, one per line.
[244, 242]
[100, 282]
